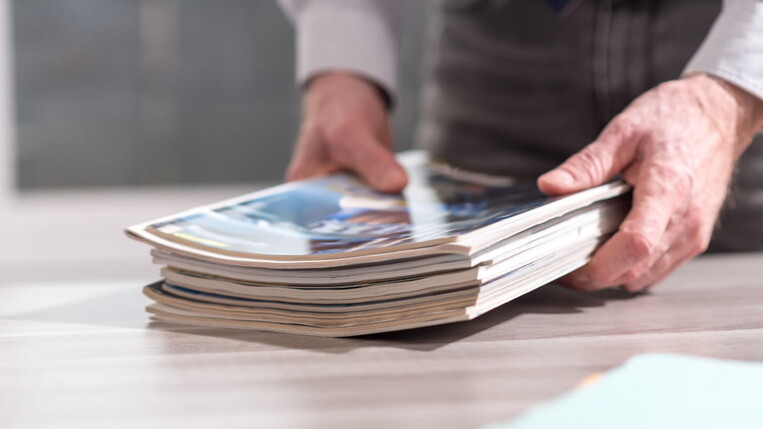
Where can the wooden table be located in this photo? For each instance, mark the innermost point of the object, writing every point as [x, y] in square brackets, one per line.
[84, 355]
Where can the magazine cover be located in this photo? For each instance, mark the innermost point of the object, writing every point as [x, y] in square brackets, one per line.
[339, 213]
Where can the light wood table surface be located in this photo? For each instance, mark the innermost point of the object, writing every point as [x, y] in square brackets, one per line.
[84, 355]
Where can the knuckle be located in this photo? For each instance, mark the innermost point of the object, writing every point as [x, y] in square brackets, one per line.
[626, 125]
[682, 181]
[693, 217]
[698, 238]
[699, 242]
[639, 244]
[631, 276]
[677, 181]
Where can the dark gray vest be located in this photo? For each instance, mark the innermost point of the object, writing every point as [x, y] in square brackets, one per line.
[515, 88]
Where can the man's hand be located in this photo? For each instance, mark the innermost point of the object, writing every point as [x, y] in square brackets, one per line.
[345, 127]
[677, 144]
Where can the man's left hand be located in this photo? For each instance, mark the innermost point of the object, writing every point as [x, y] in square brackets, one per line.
[677, 144]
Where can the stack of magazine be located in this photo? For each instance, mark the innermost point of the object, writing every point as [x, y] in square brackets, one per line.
[332, 257]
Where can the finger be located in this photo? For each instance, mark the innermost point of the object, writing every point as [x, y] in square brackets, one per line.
[662, 268]
[310, 159]
[596, 164]
[357, 149]
[672, 237]
[693, 241]
[659, 195]
[573, 280]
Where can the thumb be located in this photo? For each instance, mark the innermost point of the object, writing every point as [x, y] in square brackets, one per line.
[374, 162]
[596, 164]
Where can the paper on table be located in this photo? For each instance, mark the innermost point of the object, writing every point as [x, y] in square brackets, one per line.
[659, 391]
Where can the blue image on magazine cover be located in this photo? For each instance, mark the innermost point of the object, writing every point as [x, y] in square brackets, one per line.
[339, 213]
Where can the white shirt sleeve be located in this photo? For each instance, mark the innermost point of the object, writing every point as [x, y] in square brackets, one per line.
[733, 49]
[357, 36]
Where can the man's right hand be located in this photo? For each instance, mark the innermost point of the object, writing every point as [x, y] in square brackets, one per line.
[345, 127]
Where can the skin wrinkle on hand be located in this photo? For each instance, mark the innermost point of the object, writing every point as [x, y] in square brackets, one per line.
[680, 142]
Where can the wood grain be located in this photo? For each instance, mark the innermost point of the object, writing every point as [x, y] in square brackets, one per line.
[86, 356]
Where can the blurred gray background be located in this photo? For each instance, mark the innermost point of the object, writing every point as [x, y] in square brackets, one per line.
[158, 92]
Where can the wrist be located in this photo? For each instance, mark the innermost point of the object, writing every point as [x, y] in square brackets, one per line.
[328, 84]
[748, 109]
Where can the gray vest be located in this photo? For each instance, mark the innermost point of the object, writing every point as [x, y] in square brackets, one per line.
[515, 88]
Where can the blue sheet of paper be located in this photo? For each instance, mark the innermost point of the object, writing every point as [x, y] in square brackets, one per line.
[659, 391]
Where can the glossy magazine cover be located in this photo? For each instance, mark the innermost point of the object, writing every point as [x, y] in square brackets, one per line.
[339, 213]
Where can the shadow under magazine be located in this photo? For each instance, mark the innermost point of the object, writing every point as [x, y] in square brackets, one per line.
[125, 309]
[550, 300]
